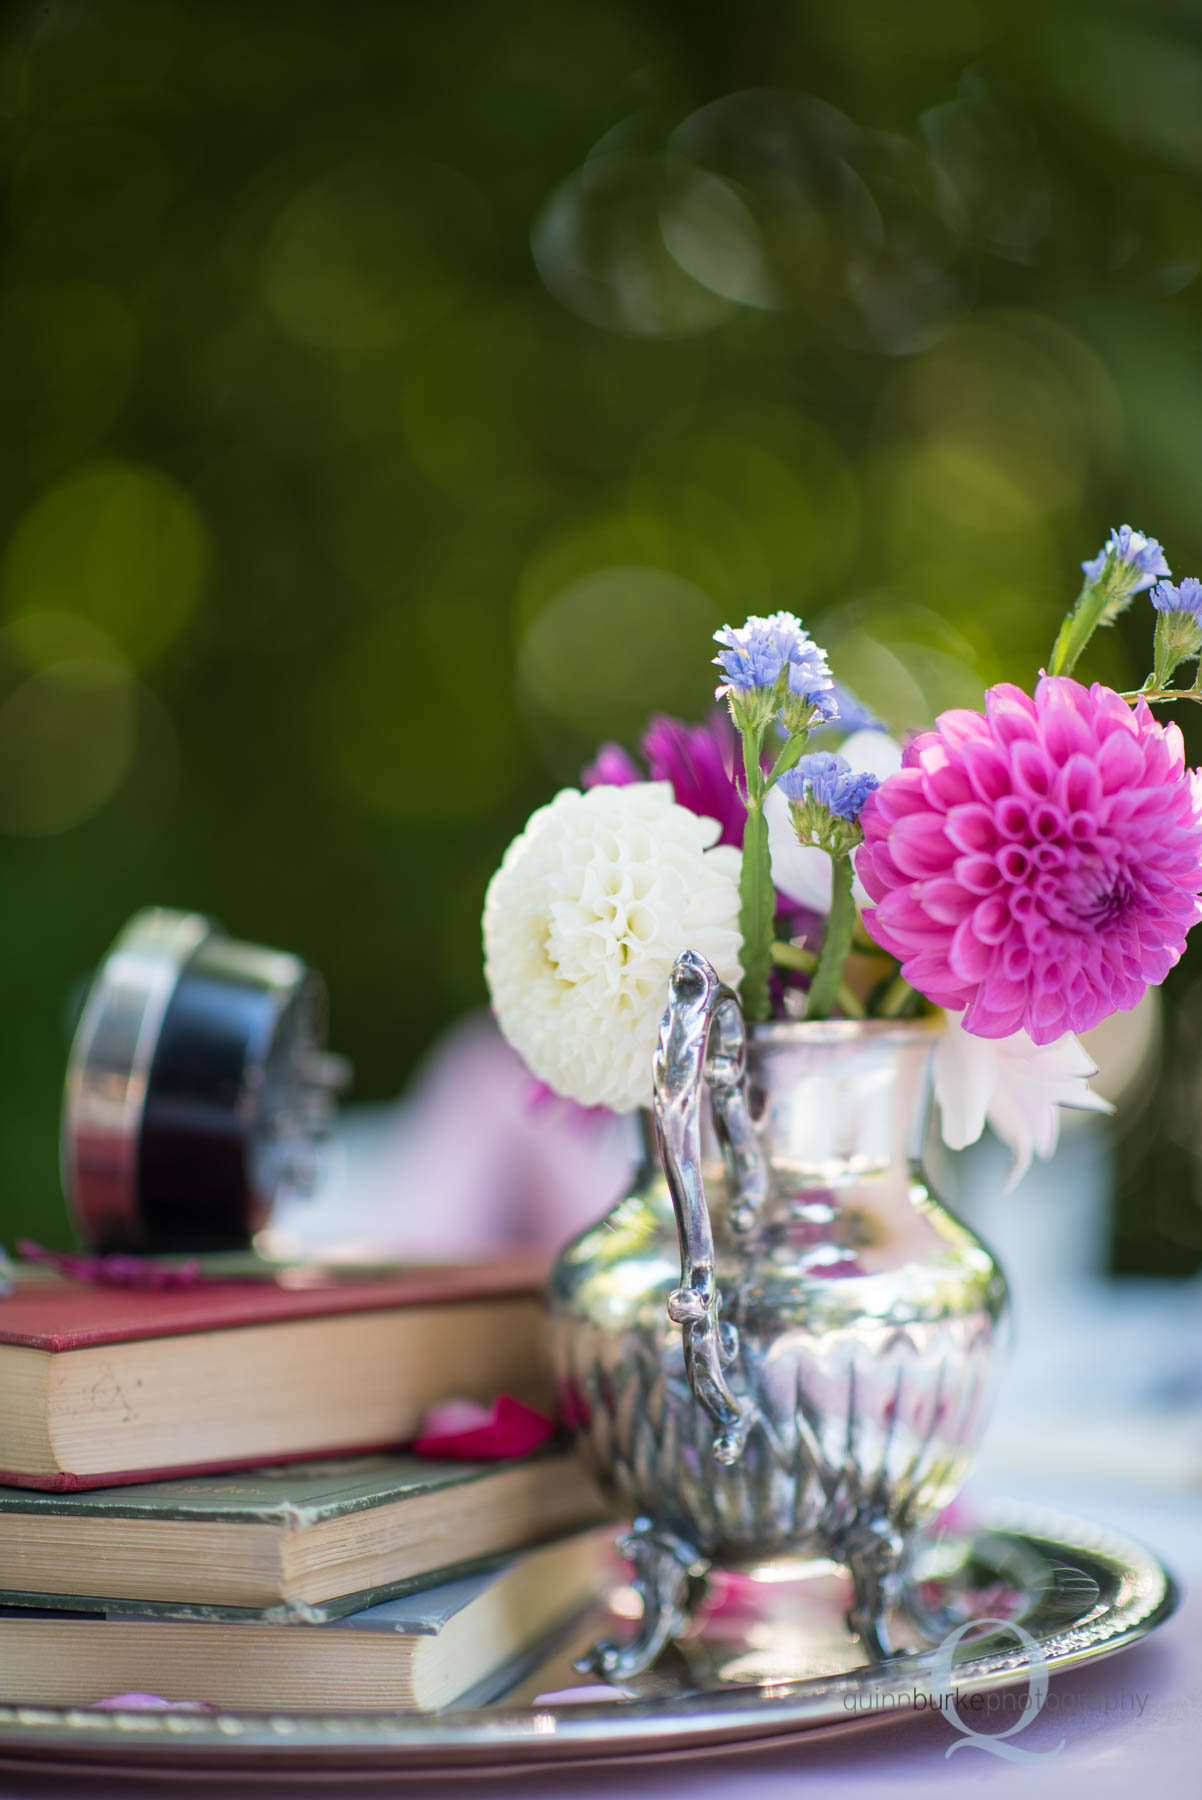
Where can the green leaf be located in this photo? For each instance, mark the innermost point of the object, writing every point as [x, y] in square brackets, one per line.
[1093, 608]
[788, 757]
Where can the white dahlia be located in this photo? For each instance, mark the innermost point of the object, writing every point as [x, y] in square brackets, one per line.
[583, 922]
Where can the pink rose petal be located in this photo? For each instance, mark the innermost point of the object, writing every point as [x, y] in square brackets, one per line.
[462, 1431]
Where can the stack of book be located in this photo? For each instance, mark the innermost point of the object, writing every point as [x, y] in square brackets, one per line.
[203, 1496]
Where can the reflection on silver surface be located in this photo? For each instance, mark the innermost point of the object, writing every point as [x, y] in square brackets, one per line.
[823, 1379]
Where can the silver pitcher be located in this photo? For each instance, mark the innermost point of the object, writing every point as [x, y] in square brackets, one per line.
[780, 1344]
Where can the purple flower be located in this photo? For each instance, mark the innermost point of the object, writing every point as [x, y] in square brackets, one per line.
[830, 780]
[754, 657]
[611, 767]
[698, 760]
[1038, 864]
[1184, 599]
[1129, 561]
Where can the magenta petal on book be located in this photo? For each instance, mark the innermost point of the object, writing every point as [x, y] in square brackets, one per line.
[462, 1431]
[115, 1271]
[148, 1703]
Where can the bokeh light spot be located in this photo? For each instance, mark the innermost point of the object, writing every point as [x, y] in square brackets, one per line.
[599, 246]
[122, 544]
[1007, 400]
[373, 252]
[793, 492]
[616, 645]
[68, 706]
[677, 529]
[713, 235]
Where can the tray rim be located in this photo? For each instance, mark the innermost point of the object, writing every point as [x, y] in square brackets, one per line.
[82, 1740]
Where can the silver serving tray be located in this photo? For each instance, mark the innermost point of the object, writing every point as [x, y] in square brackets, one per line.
[779, 1667]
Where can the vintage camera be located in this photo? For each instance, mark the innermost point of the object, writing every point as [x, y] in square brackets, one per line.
[198, 1088]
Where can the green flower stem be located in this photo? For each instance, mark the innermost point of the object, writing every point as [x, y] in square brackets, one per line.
[896, 998]
[849, 1002]
[792, 956]
[1161, 695]
[828, 977]
[757, 896]
[757, 899]
[1077, 629]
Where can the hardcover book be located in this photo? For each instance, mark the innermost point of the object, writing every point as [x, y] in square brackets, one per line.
[467, 1637]
[301, 1542]
[106, 1385]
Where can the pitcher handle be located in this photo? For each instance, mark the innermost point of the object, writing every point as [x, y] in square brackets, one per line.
[703, 1038]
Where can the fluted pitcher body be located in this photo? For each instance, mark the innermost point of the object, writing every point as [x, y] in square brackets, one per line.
[780, 1342]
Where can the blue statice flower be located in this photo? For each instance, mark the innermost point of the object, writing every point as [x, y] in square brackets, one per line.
[752, 656]
[773, 664]
[825, 797]
[1128, 561]
[755, 653]
[811, 698]
[1178, 626]
[831, 781]
[1187, 598]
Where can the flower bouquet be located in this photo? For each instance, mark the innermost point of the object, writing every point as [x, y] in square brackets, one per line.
[1028, 869]
[778, 920]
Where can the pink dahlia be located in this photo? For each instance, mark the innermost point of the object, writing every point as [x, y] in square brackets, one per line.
[1040, 864]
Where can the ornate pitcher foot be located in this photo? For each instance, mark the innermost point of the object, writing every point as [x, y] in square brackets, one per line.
[874, 1564]
[667, 1573]
[932, 1619]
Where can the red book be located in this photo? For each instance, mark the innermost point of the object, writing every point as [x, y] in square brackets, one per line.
[103, 1385]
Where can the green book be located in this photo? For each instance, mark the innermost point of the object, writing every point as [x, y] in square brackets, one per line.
[467, 1640]
[293, 1544]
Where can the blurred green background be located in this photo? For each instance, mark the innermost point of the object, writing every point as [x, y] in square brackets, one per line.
[393, 398]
